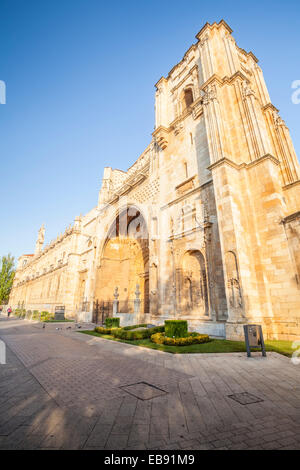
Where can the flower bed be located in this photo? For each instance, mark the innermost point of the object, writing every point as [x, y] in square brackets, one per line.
[130, 335]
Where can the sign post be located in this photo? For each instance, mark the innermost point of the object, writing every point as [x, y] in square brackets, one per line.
[254, 339]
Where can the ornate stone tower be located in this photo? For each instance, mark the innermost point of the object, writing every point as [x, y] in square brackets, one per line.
[217, 97]
[40, 240]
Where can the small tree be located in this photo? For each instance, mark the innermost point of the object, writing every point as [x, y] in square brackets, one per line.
[7, 273]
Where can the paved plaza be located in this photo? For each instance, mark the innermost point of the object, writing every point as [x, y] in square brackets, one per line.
[61, 389]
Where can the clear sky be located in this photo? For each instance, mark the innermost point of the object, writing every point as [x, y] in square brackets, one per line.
[80, 78]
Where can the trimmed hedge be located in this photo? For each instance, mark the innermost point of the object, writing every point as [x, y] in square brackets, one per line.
[112, 322]
[133, 327]
[192, 338]
[129, 335]
[46, 316]
[19, 312]
[176, 328]
[102, 331]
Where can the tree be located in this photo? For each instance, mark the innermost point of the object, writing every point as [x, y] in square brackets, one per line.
[7, 274]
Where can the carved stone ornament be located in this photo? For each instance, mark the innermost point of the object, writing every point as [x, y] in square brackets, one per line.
[178, 128]
[210, 94]
[247, 90]
[197, 111]
[278, 121]
[204, 40]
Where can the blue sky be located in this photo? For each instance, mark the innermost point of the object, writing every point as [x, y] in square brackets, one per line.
[80, 78]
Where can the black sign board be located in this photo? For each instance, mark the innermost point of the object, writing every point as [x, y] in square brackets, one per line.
[254, 339]
[59, 313]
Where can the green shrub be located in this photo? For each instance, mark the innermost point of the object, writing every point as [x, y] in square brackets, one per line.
[112, 322]
[35, 315]
[23, 313]
[19, 312]
[102, 331]
[192, 338]
[176, 328]
[130, 335]
[133, 327]
[46, 316]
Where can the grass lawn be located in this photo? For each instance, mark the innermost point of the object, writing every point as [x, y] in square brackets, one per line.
[214, 346]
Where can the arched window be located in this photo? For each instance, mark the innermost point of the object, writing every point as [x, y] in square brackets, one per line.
[188, 97]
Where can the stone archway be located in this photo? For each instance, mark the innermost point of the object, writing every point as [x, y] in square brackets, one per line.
[194, 297]
[124, 261]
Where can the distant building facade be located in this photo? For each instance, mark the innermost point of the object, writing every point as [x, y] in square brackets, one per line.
[204, 226]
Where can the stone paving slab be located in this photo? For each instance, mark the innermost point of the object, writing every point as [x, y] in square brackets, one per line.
[64, 390]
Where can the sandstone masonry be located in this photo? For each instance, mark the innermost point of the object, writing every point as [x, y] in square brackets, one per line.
[206, 222]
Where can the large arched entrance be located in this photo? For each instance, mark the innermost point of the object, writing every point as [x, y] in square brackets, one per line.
[124, 262]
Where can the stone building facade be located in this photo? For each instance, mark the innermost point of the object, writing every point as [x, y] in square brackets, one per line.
[206, 222]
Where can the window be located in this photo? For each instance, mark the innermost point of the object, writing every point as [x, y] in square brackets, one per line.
[188, 97]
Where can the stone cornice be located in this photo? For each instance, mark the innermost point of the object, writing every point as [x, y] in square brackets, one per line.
[240, 166]
[250, 54]
[291, 217]
[86, 251]
[136, 174]
[185, 182]
[268, 156]
[186, 195]
[291, 185]
[216, 79]
[209, 27]
[90, 221]
[271, 107]
[128, 186]
[51, 271]
[163, 79]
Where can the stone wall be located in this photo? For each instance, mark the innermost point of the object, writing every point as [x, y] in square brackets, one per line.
[218, 193]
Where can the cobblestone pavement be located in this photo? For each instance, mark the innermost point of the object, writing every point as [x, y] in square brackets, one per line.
[64, 390]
